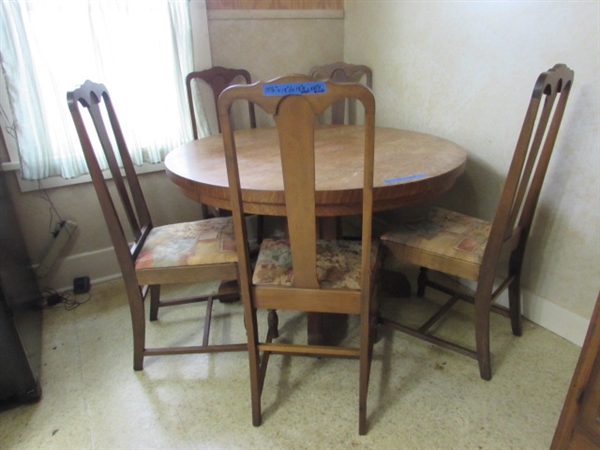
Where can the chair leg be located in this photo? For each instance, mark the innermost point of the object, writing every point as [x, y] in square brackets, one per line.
[207, 320]
[514, 302]
[362, 409]
[514, 294]
[256, 381]
[138, 324]
[366, 350]
[482, 335]
[154, 301]
[255, 393]
[422, 281]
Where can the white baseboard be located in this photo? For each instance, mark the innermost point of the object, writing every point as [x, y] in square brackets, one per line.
[99, 266]
[551, 316]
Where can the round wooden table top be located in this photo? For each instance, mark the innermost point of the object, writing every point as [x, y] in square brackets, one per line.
[410, 168]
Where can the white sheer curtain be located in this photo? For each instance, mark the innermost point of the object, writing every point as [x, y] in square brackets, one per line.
[141, 51]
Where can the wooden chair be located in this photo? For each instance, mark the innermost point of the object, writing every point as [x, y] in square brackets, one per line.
[342, 111]
[342, 72]
[191, 252]
[218, 78]
[302, 273]
[471, 248]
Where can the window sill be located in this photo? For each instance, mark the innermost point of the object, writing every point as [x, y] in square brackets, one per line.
[57, 182]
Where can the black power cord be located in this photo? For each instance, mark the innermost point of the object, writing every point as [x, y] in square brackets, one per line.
[69, 299]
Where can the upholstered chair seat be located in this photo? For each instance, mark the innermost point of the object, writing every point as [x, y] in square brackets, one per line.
[209, 241]
[441, 232]
[338, 264]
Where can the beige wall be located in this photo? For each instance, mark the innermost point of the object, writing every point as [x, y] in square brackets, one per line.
[464, 71]
[274, 43]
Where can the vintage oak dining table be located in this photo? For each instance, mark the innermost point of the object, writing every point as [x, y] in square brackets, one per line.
[410, 168]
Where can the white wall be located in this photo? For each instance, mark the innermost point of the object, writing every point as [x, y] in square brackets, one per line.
[465, 71]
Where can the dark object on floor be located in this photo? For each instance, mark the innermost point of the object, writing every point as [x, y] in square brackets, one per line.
[395, 284]
[81, 285]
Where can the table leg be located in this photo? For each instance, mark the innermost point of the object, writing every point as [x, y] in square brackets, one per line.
[330, 228]
[326, 328]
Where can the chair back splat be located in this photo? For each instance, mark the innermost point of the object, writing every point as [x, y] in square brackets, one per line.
[474, 252]
[342, 72]
[218, 78]
[170, 254]
[303, 273]
[530, 162]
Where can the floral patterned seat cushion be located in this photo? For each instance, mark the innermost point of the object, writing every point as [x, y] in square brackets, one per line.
[209, 241]
[338, 263]
[446, 233]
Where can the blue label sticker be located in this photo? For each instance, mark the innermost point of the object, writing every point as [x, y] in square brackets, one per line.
[308, 87]
[409, 177]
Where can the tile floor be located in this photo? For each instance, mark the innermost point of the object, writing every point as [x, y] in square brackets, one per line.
[421, 397]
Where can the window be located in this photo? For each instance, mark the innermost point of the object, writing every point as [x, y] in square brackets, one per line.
[141, 51]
